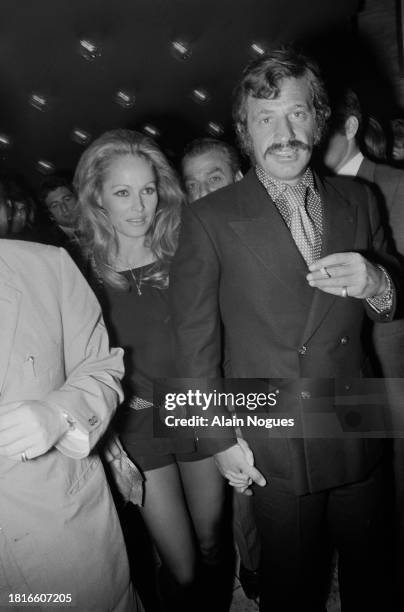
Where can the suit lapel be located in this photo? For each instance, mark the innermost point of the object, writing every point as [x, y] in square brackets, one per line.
[339, 227]
[262, 229]
[10, 298]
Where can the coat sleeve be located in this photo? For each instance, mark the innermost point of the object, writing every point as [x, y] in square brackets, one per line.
[92, 389]
[378, 254]
[194, 301]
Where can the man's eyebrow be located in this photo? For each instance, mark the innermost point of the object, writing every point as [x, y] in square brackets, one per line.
[217, 169]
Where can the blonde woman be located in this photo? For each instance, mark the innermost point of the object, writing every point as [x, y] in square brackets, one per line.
[130, 202]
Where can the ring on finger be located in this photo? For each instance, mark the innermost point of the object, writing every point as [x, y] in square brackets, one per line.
[344, 291]
[24, 457]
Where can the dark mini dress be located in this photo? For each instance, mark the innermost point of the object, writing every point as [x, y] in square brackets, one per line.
[138, 320]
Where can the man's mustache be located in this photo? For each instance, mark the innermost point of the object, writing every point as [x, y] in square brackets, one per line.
[291, 144]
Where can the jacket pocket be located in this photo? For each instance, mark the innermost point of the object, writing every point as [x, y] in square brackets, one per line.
[90, 465]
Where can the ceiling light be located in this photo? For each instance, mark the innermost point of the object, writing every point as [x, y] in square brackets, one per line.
[180, 50]
[45, 167]
[39, 101]
[200, 95]
[89, 49]
[215, 128]
[80, 136]
[150, 130]
[126, 99]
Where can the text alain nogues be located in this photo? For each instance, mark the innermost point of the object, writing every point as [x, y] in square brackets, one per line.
[249, 420]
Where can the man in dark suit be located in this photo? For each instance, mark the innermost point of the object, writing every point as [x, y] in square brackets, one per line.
[290, 263]
[343, 156]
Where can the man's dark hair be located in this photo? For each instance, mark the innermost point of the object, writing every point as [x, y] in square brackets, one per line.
[263, 78]
[199, 146]
[51, 183]
[344, 106]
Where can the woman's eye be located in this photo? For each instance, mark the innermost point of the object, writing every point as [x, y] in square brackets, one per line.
[121, 193]
[149, 190]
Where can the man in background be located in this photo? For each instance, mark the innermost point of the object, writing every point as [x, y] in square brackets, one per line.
[57, 196]
[343, 155]
[207, 165]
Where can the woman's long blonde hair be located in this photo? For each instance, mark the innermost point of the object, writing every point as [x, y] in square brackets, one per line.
[98, 236]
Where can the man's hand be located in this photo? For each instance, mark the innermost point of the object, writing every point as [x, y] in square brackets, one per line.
[236, 465]
[347, 274]
[30, 427]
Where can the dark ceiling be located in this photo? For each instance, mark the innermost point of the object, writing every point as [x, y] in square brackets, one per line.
[41, 55]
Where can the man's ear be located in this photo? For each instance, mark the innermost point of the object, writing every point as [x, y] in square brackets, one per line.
[351, 127]
[238, 176]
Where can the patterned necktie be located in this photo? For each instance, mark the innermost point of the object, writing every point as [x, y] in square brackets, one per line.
[304, 232]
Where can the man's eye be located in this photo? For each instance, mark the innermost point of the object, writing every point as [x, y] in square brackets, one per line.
[265, 120]
[215, 179]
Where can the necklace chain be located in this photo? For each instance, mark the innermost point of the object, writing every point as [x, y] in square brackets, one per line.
[138, 283]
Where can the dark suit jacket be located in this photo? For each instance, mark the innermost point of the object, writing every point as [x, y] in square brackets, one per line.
[237, 263]
[388, 182]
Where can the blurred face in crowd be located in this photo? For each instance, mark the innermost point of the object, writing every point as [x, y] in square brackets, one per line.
[62, 205]
[206, 172]
[337, 151]
[19, 217]
[282, 130]
[398, 149]
[4, 213]
[129, 195]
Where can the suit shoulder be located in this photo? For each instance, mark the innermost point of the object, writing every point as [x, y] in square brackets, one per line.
[221, 200]
[346, 185]
[384, 172]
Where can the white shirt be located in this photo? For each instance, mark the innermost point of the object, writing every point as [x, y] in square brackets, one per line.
[352, 166]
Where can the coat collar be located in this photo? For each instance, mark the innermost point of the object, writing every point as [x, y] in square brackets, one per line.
[367, 170]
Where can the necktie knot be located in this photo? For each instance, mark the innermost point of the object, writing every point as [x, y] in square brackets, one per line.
[295, 196]
[302, 228]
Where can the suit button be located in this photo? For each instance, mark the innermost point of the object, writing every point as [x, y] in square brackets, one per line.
[305, 395]
[347, 387]
[302, 349]
[344, 340]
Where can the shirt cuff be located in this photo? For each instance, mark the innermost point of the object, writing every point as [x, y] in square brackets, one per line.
[74, 443]
[384, 302]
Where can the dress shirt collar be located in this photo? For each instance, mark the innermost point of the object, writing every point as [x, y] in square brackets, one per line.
[352, 166]
[276, 188]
